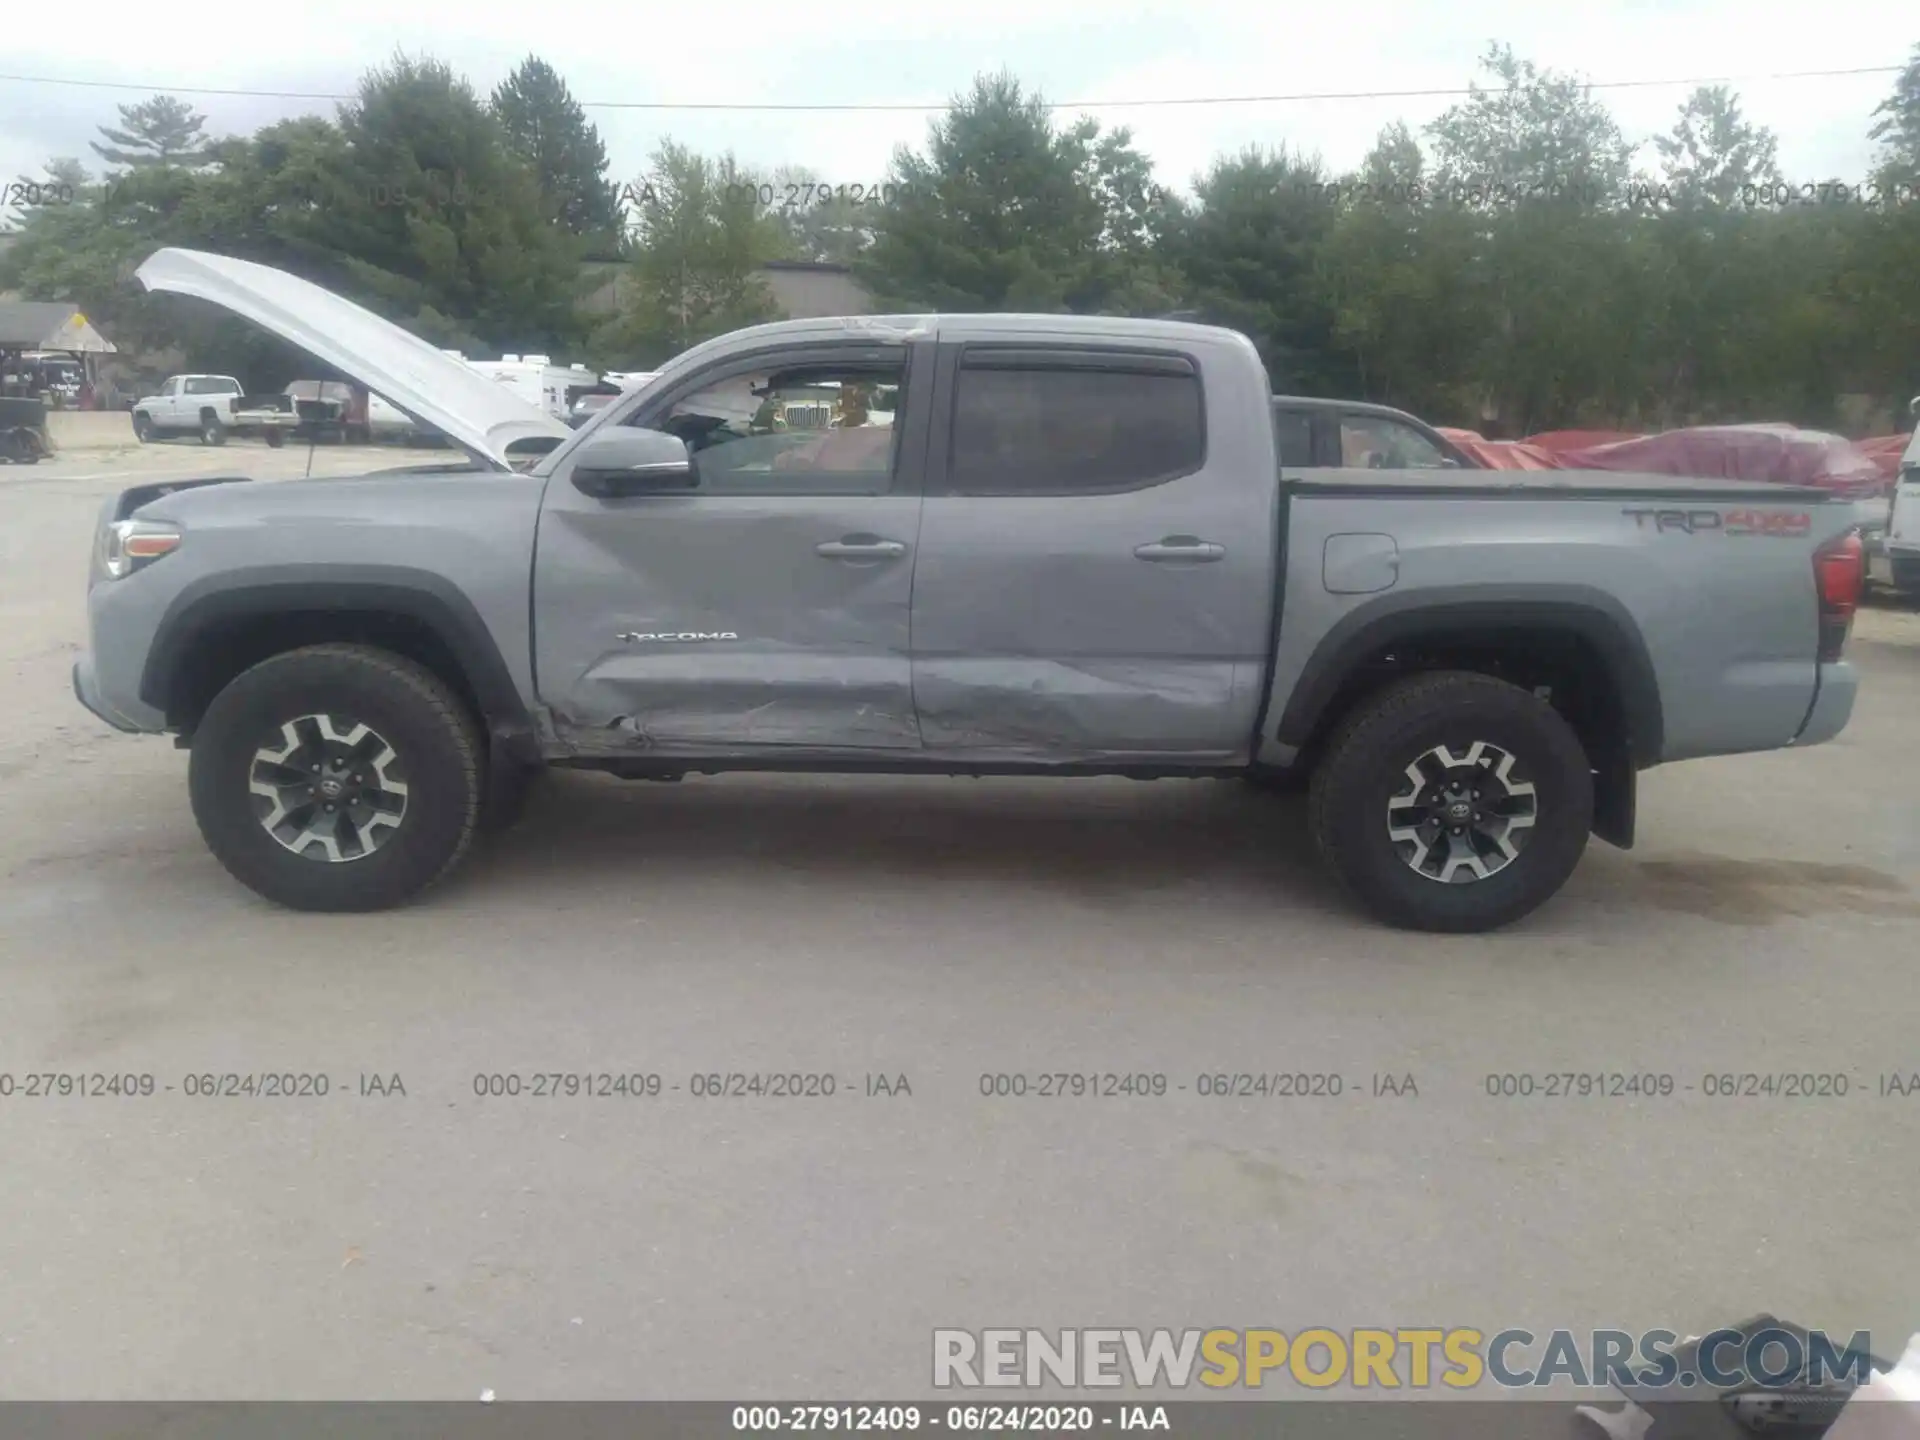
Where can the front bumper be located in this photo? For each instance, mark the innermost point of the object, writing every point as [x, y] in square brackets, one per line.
[86, 689]
[1832, 704]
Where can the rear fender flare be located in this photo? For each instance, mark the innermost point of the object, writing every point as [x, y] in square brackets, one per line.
[1593, 615]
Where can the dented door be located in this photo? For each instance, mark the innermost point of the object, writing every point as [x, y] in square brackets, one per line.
[765, 612]
[1097, 554]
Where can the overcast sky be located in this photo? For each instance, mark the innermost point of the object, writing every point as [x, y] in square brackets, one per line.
[1072, 50]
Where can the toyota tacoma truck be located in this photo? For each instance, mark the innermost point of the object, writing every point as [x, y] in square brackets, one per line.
[1072, 551]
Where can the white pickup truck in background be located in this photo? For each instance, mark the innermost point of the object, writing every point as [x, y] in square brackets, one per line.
[213, 407]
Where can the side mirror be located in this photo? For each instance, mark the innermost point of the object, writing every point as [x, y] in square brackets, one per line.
[624, 461]
[1913, 407]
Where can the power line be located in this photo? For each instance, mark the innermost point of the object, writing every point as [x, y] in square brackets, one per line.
[874, 107]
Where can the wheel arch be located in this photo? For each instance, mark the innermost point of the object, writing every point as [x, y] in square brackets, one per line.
[222, 625]
[1579, 643]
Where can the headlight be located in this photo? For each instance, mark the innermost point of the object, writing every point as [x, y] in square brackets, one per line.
[126, 545]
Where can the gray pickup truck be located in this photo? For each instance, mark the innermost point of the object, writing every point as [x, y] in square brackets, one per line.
[1069, 549]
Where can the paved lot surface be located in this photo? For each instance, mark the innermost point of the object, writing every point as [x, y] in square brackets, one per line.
[435, 1244]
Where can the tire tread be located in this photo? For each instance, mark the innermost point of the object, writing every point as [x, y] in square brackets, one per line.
[1349, 755]
[441, 704]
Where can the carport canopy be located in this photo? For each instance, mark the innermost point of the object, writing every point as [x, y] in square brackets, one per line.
[49, 325]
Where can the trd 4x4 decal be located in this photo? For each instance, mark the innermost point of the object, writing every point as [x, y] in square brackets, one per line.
[1725, 522]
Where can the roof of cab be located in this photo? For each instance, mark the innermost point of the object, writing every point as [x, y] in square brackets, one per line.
[890, 329]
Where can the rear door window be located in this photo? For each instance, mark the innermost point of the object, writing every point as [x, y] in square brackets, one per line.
[1063, 422]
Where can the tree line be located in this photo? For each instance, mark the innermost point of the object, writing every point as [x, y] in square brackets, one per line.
[1513, 266]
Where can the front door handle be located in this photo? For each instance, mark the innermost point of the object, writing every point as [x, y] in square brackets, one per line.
[1181, 550]
[860, 547]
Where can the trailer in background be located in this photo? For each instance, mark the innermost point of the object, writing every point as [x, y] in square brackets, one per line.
[537, 380]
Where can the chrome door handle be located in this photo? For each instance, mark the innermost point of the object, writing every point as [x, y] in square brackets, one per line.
[860, 547]
[1181, 550]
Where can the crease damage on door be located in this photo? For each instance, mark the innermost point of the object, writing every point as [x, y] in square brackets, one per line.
[772, 697]
[1070, 710]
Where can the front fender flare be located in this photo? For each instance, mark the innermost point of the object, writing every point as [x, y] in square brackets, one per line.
[420, 595]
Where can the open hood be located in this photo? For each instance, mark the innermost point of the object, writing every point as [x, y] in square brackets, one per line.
[479, 415]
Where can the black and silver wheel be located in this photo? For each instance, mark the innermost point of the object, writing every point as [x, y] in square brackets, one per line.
[212, 432]
[1461, 818]
[142, 427]
[333, 789]
[337, 777]
[1453, 801]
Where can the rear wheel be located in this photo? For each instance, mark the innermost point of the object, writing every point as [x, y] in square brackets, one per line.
[212, 432]
[276, 438]
[1453, 802]
[337, 777]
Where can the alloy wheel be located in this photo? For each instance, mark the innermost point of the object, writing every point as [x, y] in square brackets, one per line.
[331, 790]
[1462, 818]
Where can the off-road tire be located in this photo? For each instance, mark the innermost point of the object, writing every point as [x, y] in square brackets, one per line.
[419, 716]
[1364, 767]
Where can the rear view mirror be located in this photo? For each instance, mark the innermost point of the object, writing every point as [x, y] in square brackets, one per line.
[625, 461]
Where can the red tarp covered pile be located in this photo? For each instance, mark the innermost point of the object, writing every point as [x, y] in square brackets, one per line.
[1501, 454]
[1559, 440]
[1885, 451]
[1768, 454]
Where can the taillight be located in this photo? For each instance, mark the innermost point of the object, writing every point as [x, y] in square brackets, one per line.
[1839, 573]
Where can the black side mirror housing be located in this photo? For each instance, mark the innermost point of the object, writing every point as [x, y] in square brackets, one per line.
[624, 461]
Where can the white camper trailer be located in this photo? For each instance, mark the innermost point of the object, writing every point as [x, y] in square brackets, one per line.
[538, 381]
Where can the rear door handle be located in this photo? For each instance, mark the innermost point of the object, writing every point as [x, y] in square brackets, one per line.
[1180, 550]
[860, 547]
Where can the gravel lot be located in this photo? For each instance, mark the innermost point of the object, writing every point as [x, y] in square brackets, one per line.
[436, 1244]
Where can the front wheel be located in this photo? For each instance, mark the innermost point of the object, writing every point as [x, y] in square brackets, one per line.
[142, 427]
[337, 777]
[1453, 802]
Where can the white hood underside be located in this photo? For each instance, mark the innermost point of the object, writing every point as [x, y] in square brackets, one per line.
[481, 416]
